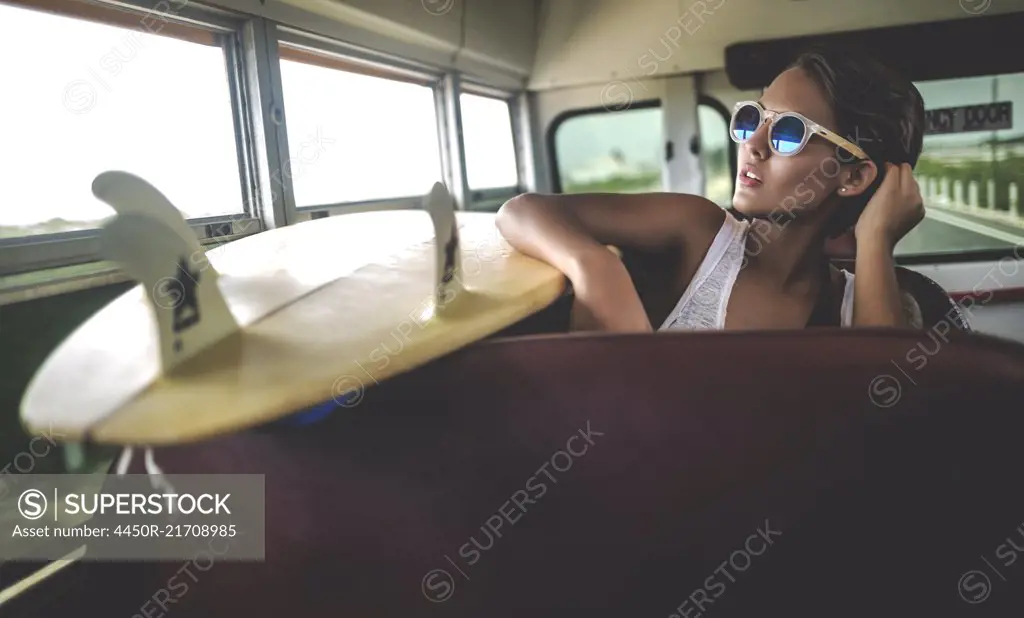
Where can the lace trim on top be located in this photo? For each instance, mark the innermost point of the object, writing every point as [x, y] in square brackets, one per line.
[705, 300]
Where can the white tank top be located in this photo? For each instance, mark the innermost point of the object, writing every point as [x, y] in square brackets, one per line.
[703, 304]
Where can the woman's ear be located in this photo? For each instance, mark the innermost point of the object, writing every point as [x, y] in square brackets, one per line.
[857, 178]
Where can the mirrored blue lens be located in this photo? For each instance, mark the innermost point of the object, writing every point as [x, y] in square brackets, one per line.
[787, 134]
[745, 122]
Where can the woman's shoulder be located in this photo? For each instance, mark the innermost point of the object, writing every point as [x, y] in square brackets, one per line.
[701, 220]
[701, 213]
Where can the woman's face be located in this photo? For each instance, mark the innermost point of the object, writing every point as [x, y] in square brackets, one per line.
[795, 184]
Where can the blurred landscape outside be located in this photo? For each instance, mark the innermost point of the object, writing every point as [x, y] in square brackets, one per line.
[622, 152]
[976, 176]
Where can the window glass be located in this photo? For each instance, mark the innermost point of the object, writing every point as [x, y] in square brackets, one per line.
[714, 156]
[971, 180]
[611, 151]
[80, 98]
[487, 139]
[354, 137]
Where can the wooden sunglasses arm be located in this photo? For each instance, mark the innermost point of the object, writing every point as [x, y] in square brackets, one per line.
[838, 140]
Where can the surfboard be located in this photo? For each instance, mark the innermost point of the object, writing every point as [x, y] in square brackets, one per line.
[216, 341]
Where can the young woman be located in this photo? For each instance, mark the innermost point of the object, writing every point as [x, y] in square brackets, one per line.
[829, 146]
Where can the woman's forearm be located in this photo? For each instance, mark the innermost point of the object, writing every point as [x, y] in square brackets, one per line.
[876, 298]
[605, 297]
[544, 232]
[893, 210]
[558, 228]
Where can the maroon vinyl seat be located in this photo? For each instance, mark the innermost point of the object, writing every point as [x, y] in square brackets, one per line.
[684, 474]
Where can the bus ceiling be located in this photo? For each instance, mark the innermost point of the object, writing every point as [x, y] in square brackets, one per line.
[588, 42]
[927, 51]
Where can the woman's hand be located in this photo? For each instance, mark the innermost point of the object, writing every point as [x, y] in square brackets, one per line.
[894, 209]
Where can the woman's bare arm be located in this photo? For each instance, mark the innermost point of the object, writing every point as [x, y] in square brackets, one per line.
[893, 211]
[564, 230]
[876, 296]
[570, 232]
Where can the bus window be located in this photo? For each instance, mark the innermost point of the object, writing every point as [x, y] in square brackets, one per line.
[354, 137]
[487, 137]
[715, 153]
[618, 151]
[971, 179]
[83, 97]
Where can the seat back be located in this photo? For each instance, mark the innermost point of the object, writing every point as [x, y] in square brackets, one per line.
[622, 475]
[935, 304]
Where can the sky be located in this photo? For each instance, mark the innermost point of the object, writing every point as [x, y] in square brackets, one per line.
[112, 98]
[379, 137]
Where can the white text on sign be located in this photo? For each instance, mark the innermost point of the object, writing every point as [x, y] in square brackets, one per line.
[985, 117]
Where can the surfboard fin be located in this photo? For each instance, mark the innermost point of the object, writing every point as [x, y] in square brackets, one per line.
[152, 242]
[127, 193]
[441, 206]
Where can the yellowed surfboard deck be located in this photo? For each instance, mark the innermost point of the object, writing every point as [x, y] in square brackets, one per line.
[212, 342]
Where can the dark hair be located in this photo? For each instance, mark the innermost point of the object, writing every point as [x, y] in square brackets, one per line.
[874, 107]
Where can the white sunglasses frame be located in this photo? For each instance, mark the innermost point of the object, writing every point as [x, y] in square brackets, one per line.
[811, 128]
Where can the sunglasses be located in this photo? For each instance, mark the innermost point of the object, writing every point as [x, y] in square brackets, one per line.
[789, 131]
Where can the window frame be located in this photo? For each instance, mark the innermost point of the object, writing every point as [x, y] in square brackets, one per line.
[716, 105]
[298, 46]
[966, 256]
[702, 99]
[40, 265]
[557, 121]
[491, 198]
[24, 254]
